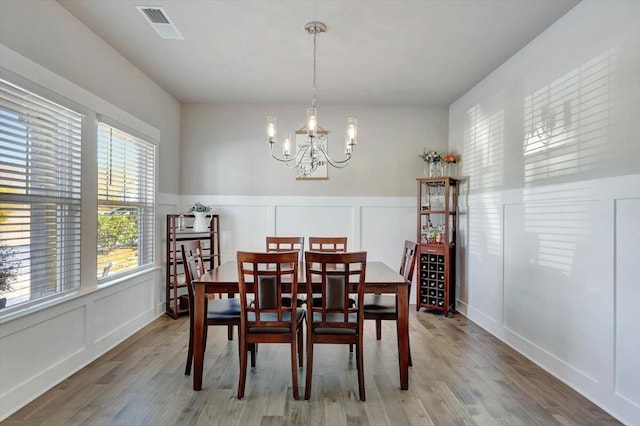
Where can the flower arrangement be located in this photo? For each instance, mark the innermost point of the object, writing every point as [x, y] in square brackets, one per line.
[450, 158]
[429, 156]
[199, 207]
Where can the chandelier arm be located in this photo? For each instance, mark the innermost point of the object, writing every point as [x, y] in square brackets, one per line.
[289, 162]
[283, 160]
[339, 164]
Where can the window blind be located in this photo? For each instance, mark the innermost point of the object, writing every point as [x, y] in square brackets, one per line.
[126, 201]
[40, 175]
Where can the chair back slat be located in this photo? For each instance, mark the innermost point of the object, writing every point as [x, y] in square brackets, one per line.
[408, 263]
[193, 264]
[328, 244]
[264, 275]
[334, 272]
[280, 244]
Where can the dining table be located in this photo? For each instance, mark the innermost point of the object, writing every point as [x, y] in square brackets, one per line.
[379, 279]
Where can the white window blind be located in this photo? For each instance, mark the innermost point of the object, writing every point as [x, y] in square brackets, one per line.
[40, 194]
[126, 200]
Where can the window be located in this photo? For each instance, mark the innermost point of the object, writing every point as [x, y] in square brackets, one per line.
[40, 194]
[126, 198]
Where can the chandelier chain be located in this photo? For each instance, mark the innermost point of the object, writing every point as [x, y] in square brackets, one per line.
[315, 34]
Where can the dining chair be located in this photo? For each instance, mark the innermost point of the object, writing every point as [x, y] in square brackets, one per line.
[328, 244]
[219, 311]
[381, 307]
[335, 321]
[280, 244]
[264, 318]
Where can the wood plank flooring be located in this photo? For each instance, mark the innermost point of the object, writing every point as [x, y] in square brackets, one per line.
[461, 375]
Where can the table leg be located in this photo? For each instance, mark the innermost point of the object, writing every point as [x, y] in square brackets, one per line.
[402, 325]
[198, 336]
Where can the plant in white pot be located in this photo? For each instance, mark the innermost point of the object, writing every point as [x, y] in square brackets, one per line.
[200, 224]
[8, 271]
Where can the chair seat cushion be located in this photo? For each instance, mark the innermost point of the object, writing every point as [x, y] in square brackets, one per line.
[334, 317]
[223, 308]
[379, 303]
[301, 313]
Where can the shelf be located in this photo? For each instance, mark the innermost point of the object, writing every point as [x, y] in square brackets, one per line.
[176, 302]
[436, 212]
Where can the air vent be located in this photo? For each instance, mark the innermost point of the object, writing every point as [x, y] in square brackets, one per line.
[160, 21]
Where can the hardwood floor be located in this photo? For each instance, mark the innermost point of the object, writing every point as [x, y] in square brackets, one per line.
[461, 375]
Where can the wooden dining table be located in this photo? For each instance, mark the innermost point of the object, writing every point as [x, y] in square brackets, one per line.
[379, 278]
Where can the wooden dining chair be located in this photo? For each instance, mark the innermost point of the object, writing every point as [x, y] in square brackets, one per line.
[328, 244]
[280, 244]
[264, 318]
[219, 311]
[335, 321]
[381, 307]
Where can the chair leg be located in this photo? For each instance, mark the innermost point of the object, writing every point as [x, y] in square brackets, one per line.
[409, 345]
[252, 349]
[243, 365]
[204, 338]
[300, 347]
[230, 332]
[309, 375]
[378, 329]
[187, 370]
[351, 347]
[294, 367]
[360, 362]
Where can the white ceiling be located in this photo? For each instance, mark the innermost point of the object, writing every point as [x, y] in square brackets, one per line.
[375, 52]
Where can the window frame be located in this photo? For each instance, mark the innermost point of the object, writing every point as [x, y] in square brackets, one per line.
[151, 232]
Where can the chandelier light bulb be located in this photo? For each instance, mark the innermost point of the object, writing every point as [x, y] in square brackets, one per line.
[286, 147]
[271, 129]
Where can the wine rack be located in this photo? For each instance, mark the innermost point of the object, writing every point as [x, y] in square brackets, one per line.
[436, 233]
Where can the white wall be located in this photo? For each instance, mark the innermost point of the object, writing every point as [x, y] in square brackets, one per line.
[549, 236]
[225, 150]
[53, 52]
[49, 35]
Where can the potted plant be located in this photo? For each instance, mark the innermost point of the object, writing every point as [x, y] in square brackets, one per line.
[199, 210]
[433, 160]
[8, 271]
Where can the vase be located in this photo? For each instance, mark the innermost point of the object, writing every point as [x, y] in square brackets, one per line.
[451, 169]
[435, 170]
[200, 223]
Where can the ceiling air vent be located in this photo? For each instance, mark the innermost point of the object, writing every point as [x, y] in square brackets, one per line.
[159, 20]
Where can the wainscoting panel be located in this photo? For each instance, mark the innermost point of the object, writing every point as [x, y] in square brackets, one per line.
[557, 287]
[483, 248]
[242, 227]
[554, 272]
[316, 221]
[116, 309]
[383, 231]
[44, 344]
[627, 300]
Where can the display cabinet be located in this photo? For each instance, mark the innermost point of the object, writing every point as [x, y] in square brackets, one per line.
[436, 235]
[179, 229]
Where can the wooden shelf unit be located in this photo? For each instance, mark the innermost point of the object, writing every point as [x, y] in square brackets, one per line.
[176, 302]
[436, 236]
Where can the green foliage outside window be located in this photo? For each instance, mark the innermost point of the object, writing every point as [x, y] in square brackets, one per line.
[117, 230]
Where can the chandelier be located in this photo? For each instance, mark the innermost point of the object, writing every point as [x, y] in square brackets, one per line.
[312, 150]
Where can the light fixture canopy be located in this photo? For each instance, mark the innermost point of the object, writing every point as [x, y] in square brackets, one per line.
[311, 149]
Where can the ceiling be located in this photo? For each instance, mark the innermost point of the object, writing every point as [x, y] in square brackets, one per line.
[413, 53]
